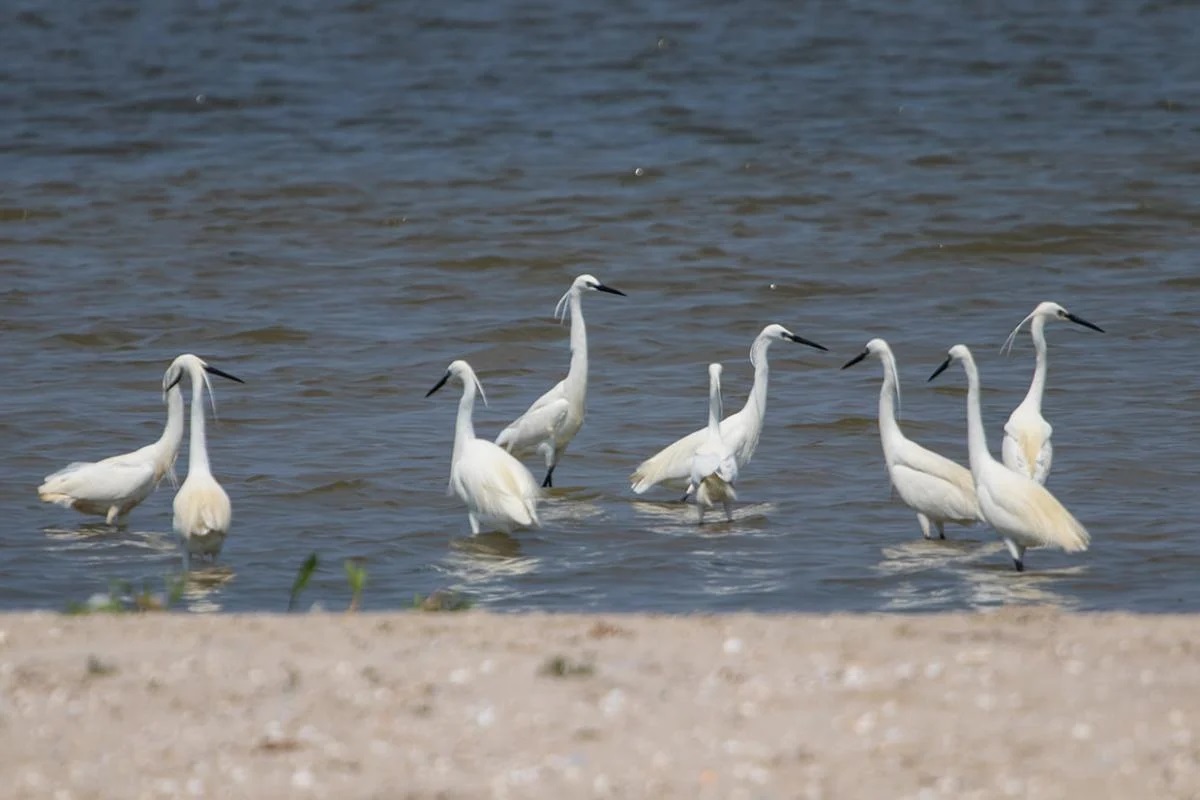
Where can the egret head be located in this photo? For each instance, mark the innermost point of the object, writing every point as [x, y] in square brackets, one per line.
[773, 332]
[590, 283]
[714, 371]
[875, 347]
[959, 352]
[584, 283]
[462, 372]
[199, 369]
[1044, 312]
[193, 365]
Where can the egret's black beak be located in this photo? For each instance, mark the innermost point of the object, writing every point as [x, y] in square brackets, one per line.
[175, 382]
[439, 384]
[802, 340]
[856, 359]
[215, 371]
[600, 287]
[941, 369]
[1083, 322]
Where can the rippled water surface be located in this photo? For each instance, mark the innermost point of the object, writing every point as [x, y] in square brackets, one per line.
[334, 200]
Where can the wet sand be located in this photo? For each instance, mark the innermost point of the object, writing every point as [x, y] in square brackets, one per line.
[1021, 703]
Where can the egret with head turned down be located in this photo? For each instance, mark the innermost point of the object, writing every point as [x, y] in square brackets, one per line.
[1021, 510]
[550, 424]
[714, 468]
[497, 488]
[932, 485]
[1027, 447]
[202, 508]
[113, 487]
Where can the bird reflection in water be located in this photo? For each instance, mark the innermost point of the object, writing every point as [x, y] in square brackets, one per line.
[203, 587]
[482, 566]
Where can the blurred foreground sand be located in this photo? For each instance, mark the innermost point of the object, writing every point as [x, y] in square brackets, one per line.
[1021, 703]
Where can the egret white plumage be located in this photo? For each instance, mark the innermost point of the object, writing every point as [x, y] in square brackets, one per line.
[497, 488]
[671, 466]
[1027, 447]
[550, 424]
[202, 508]
[1021, 510]
[932, 485]
[112, 487]
[714, 467]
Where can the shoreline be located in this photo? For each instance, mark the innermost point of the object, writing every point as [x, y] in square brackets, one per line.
[1022, 702]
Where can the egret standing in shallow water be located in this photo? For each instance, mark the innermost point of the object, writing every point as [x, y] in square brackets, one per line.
[671, 466]
[114, 486]
[495, 486]
[939, 490]
[1021, 510]
[554, 418]
[1027, 447]
[714, 468]
[202, 509]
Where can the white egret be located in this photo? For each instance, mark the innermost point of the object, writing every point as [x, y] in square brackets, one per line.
[114, 486]
[1027, 447]
[714, 468]
[1021, 510]
[202, 508]
[671, 466]
[550, 424]
[495, 486]
[932, 485]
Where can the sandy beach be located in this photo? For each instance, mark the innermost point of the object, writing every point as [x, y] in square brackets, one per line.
[1022, 703]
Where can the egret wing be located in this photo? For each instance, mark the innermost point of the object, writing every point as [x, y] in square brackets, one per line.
[728, 468]
[110, 482]
[495, 484]
[1017, 506]
[670, 466]
[705, 462]
[932, 483]
[539, 424]
[1026, 448]
[202, 508]
[738, 432]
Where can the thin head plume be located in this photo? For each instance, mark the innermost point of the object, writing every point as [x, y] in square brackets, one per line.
[479, 386]
[212, 398]
[1007, 347]
[562, 307]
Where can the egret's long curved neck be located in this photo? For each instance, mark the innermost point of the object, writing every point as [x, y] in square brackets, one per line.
[977, 448]
[756, 403]
[172, 435]
[578, 374]
[197, 449]
[714, 406]
[887, 397]
[1037, 329]
[464, 428]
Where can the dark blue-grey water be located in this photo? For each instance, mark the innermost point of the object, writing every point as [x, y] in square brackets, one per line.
[334, 200]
